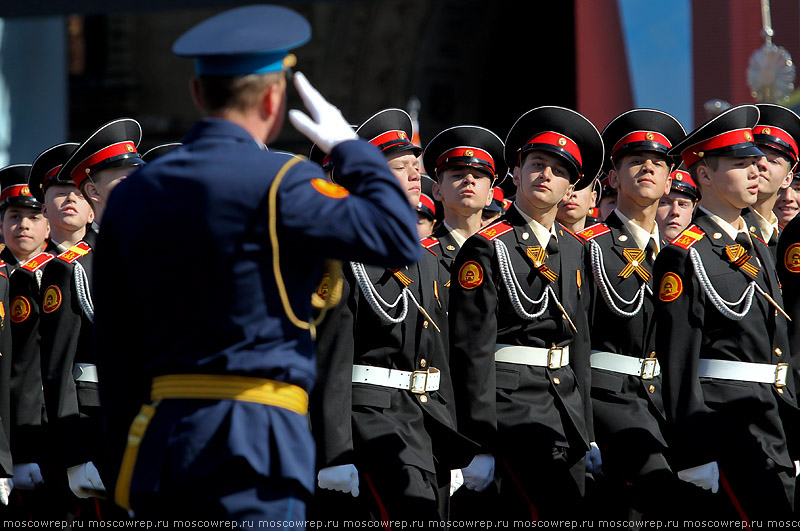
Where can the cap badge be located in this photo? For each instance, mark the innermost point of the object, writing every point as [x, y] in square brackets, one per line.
[130, 148]
[25, 191]
[748, 136]
[649, 136]
[469, 153]
[679, 177]
[401, 134]
[562, 141]
[766, 130]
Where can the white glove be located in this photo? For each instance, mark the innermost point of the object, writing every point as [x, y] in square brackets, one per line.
[27, 476]
[82, 477]
[6, 485]
[326, 127]
[594, 461]
[704, 476]
[343, 478]
[456, 480]
[480, 472]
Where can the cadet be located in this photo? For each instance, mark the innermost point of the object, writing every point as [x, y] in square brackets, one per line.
[518, 327]
[626, 381]
[574, 208]
[226, 369]
[496, 208]
[722, 338]
[675, 210]
[776, 135]
[788, 204]
[466, 162]
[382, 412]
[426, 208]
[69, 373]
[24, 233]
[68, 214]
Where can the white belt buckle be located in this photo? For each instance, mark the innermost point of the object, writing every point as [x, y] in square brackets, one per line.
[781, 371]
[417, 377]
[648, 368]
[554, 357]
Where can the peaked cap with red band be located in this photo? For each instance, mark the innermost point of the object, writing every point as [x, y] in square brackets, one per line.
[46, 169]
[683, 182]
[14, 189]
[465, 145]
[390, 130]
[729, 134]
[112, 146]
[563, 132]
[778, 128]
[641, 130]
[426, 206]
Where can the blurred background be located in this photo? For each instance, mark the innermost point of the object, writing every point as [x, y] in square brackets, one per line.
[68, 66]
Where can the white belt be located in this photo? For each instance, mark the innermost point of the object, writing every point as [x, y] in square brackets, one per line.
[744, 371]
[553, 358]
[645, 368]
[84, 372]
[417, 381]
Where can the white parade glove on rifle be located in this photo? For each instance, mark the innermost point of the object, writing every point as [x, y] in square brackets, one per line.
[704, 476]
[456, 480]
[27, 476]
[83, 477]
[480, 472]
[326, 127]
[6, 486]
[343, 478]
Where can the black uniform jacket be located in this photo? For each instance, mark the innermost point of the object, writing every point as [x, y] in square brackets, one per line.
[788, 265]
[511, 406]
[624, 405]
[711, 419]
[65, 327]
[366, 423]
[27, 400]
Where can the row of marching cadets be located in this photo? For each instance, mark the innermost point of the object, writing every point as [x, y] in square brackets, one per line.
[524, 371]
[51, 212]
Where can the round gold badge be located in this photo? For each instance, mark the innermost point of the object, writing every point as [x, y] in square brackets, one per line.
[470, 276]
[51, 300]
[671, 287]
[20, 309]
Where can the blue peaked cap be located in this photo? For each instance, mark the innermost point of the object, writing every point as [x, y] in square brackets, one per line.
[245, 40]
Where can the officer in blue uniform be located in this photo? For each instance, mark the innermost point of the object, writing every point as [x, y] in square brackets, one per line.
[205, 391]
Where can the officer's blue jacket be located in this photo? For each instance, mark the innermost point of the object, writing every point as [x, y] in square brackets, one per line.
[184, 283]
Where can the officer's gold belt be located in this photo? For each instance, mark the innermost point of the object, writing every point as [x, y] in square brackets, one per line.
[204, 387]
[231, 387]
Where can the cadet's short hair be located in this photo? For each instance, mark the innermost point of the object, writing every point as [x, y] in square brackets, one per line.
[710, 161]
[220, 93]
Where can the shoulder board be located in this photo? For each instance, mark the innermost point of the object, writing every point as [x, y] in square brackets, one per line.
[590, 233]
[495, 229]
[689, 237]
[429, 242]
[37, 262]
[571, 233]
[76, 251]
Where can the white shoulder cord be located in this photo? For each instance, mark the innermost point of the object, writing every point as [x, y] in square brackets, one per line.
[724, 307]
[607, 290]
[82, 291]
[513, 288]
[375, 300]
[38, 274]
